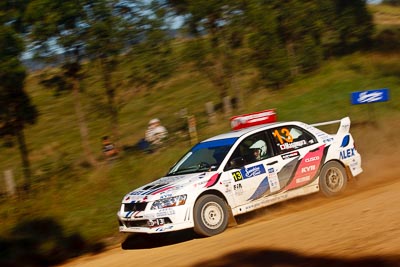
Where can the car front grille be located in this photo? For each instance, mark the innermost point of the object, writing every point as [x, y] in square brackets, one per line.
[135, 206]
[141, 223]
[146, 223]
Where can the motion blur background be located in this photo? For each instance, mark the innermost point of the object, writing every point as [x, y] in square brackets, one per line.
[75, 71]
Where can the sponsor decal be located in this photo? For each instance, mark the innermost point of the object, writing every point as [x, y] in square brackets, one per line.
[293, 145]
[290, 155]
[273, 180]
[308, 168]
[237, 176]
[345, 141]
[303, 179]
[213, 180]
[165, 212]
[354, 164]
[237, 187]
[162, 229]
[163, 195]
[327, 140]
[132, 214]
[248, 172]
[261, 189]
[200, 183]
[266, 201]
[151, 189]
[283, 135]
[253, 171]
[227, 184]
[161, 190]
[311, 159]
[137, 193]
[347, 153]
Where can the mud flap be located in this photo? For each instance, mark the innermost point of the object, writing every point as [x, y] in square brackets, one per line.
[232, 220]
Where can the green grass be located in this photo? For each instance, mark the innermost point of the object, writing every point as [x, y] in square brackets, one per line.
[85, 201]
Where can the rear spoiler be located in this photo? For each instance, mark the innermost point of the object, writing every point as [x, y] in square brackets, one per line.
[343, 128]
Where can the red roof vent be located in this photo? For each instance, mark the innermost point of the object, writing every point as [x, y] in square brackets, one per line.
[252, 119]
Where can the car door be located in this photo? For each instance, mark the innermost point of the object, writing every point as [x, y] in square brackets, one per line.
[249, 173]
[298, 157]
[292, 160]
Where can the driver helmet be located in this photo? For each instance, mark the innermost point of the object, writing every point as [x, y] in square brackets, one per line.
[262, 146]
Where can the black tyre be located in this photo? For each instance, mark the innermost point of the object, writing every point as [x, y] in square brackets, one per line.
[332, 179]
[210, 215]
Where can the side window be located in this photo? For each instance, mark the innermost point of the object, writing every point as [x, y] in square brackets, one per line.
[253, 148]
[290, 137]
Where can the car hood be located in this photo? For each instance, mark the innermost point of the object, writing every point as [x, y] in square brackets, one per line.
[171, 186]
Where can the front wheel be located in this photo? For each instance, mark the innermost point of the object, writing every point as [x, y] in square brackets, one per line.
[210, 215]
[332, 179]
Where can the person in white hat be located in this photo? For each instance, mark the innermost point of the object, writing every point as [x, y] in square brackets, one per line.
[155, 133]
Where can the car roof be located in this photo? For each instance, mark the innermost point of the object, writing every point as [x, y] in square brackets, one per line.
[239, 133]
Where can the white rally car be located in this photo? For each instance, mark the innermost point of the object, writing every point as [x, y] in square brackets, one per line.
[240, 171]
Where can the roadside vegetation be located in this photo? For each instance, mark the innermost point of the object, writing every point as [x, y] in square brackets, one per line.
[74, 198]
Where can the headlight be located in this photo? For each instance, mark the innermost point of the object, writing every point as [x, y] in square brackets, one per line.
[169, 202]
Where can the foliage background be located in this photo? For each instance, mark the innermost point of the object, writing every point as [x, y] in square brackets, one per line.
[74, 204]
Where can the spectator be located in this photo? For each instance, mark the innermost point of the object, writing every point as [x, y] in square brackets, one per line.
[109, 149]
[154, 137]
[156, 133]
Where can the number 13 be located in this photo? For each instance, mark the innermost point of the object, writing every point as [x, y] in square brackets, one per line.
[283, 135]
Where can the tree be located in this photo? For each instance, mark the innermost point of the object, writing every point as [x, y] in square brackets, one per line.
[118, 30]
[152, 54]
[56, 25]
[268, 48]
[292, 37]
[391, 2]
[285, 38]
[16, 109]
[351, 25]
[110, 27]
[218, 30]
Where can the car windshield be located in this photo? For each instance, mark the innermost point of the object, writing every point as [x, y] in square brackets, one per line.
[205, 156]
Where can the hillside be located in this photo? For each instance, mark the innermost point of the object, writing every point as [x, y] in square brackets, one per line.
[78, 204]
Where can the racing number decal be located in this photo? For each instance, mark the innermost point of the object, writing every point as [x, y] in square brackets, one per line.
[237, 176]
[283, 135]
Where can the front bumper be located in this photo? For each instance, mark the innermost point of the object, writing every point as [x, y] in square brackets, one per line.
[155, 221]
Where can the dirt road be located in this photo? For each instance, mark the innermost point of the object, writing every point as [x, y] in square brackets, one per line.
[360, 228]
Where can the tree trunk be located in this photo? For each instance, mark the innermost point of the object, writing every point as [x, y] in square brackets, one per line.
[110, 93]
[294, 70]
[238, 93]
[84, 132]
[26, 166]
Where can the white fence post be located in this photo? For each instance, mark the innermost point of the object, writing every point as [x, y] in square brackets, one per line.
[227, 106]
[10, 183]
[212, 119]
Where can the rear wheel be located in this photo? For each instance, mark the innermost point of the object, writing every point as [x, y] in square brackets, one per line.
[332, 179]
[210, 215]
